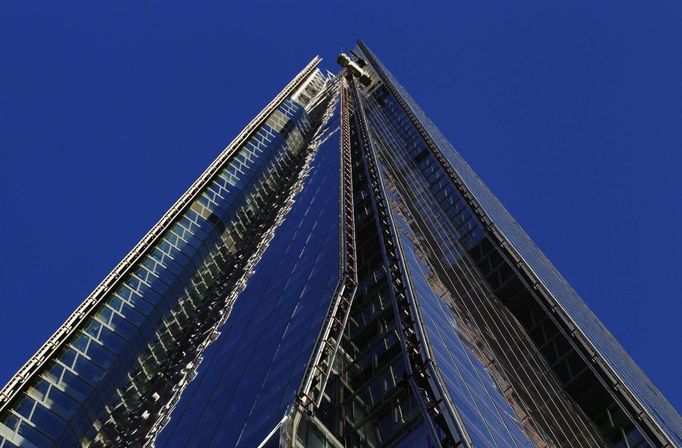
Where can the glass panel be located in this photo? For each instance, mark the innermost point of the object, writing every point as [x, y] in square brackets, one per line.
[560, 291]
[257, 363]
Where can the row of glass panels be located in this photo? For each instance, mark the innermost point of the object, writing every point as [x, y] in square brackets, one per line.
[250, 375]
[106, 365]
[611, 351]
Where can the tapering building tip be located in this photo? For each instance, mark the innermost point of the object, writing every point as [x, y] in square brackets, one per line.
[315, 61]
[354, 68]
[343, 60]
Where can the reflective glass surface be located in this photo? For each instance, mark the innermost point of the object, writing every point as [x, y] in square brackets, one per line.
[445, 231]
[369, 400]
[560, 291]
[204, 339]
[249, 376]
[487, 415]
[109, 381]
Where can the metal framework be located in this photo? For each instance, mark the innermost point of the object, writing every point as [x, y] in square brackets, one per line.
[433, 400]
[327, 344]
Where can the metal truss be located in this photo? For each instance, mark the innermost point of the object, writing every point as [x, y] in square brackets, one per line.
[423, 377]
[327, 345]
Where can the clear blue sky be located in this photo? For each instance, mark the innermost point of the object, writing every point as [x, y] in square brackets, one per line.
[572, 114]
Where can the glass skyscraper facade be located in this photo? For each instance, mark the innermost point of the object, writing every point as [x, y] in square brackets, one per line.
[337, 277]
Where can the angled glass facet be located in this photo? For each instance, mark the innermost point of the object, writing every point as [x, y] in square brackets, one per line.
[338, 277]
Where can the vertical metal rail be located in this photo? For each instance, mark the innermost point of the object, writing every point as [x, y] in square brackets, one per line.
[428, 390]
[327, 345]
[33, 366]
[607, 375]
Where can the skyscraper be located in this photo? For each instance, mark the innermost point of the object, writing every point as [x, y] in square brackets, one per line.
[338, 276]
